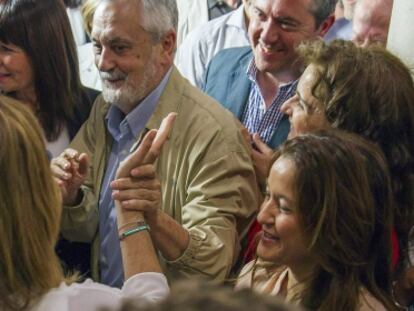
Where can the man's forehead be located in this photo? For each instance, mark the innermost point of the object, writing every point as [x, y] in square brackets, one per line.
[285, 5]
[112, 20]
[116, 12]
[297, 10]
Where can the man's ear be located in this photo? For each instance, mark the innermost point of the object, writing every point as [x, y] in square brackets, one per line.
[168, 45]
[326, 25]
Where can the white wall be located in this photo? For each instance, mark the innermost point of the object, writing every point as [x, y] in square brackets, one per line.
[401, 33]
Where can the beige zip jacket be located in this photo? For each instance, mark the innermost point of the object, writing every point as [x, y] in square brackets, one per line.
[208, 181]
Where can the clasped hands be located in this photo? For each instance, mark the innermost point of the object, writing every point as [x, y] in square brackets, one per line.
[136, 187]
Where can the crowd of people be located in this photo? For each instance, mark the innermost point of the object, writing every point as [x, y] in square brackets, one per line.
[264, 148]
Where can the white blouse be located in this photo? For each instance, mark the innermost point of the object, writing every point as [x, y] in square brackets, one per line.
[56, 147]
[88, 296]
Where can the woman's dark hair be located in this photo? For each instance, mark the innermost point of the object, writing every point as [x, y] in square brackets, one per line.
[41, 29]
[72, 3]
[369, 91]
[344, 204]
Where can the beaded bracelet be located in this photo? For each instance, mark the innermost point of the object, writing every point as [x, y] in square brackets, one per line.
[135, 223]
[127, 233]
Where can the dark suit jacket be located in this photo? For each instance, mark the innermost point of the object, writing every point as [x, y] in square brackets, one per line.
[226, 81]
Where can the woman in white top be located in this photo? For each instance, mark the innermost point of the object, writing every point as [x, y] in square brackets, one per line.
[327, 208]
[31, 277]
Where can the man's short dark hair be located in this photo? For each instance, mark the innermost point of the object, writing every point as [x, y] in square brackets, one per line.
[321, 10]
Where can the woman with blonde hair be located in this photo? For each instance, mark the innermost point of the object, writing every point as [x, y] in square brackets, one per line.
[321, 225]
[31, 277]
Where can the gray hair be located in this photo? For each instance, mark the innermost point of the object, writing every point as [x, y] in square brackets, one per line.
[160, 16]
[321, 9]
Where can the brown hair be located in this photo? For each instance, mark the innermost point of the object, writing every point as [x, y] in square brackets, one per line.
[29, 210]
[370, 92]
[41, 29]
[344, 202]
[189, 295]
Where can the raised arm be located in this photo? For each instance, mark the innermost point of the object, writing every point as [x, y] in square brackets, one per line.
[137, 249]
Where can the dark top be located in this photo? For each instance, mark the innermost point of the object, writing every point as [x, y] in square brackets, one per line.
[76, 256]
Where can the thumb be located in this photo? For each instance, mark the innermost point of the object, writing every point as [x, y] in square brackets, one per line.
[260, 145]
[137, 157]
[83, 164]
[161, 137]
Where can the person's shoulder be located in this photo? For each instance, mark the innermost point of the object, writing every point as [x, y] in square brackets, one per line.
[230, 59]
[260, 275]
[212, 25]
[7, 99]
[204, 112]
[226, 62]
[235, 54]
[79, 296]
[200, 101]
[98, 106]
[89, 95]
[368, 302]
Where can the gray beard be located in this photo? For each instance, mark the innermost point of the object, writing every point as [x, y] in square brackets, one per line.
[127, 97]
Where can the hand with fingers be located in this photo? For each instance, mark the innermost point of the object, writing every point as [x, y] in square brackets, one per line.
[261, 157]
[70, 169]
[136, 186]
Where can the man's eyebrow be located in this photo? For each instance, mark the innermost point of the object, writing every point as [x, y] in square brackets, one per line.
[118, 40]
[287, 19]
[108, 39]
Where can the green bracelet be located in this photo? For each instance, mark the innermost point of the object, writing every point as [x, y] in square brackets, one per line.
[133, 231]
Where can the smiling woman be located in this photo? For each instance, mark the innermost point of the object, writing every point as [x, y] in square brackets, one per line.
[367, 91]
[321, 228]
[38, 66]
[16, 71]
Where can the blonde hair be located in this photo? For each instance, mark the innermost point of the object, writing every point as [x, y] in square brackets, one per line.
[88, 9]
[29, 210]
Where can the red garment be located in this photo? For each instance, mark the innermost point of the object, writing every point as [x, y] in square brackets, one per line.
[395, 249]
[250, 252]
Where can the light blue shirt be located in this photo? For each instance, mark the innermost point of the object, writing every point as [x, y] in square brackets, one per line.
[125, 131]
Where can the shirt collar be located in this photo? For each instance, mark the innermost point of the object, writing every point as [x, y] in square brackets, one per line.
[238, 18]
[212, 3]
[139, 116]
[252, 75]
